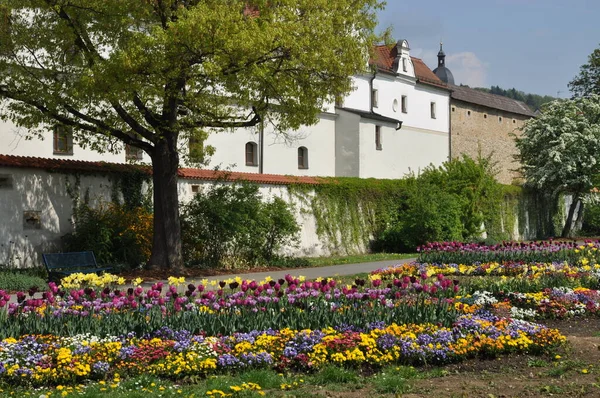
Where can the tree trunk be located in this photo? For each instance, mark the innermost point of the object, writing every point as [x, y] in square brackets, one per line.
[567, 229]
[166, 244]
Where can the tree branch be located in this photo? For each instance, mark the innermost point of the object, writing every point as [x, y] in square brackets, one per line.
[222, 124]
[95, 126]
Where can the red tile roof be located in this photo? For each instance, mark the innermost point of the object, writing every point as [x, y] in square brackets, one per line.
[384, 56]
[277, 179]
[64, 165]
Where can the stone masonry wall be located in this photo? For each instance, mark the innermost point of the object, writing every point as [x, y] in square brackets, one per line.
[477, 129]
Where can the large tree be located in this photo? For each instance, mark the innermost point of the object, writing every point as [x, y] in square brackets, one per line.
[560, 149]
[588, 80]
[149, 73]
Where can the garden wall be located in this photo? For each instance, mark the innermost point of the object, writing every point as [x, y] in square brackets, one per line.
[37, 198]
[36, 203]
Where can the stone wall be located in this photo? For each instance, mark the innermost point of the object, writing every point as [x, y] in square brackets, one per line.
[481, 130]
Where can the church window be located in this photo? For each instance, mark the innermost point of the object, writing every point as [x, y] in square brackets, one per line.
[133, 153]
[404, 101]
[499, 119]
[404, 65]
[468, 113]
[302, 158]
[378, 145]
[432, 110]
[63, 140]
[251, 154]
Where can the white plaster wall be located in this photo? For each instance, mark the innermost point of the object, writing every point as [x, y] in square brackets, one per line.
[280, 152]
[360, 96]
[391, 88]
[403, 150]
[39, 190]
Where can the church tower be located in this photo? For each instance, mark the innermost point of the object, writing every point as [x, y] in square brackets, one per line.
[441, 71]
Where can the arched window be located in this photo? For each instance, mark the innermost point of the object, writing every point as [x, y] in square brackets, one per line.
[302, 158]
[251, 154]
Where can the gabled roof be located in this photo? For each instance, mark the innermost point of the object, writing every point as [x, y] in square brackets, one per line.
[383, 59]
[64, 165]
[372, 115]
[466, 94]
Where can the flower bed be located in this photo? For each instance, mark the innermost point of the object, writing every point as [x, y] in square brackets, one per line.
[50, 359]
[529, 271]
[234, 307]
[545, 251]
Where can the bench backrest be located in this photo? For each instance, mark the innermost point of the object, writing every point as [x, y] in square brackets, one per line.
[70, 260]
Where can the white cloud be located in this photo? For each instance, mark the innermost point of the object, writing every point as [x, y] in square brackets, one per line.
[467, 69]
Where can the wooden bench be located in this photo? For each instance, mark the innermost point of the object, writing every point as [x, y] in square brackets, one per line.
[60, 265]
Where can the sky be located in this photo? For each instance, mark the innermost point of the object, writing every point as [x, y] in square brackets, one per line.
[536, 46]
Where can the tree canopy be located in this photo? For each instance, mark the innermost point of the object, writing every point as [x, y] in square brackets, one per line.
[588, 80]
[560, 149]
[149, 73]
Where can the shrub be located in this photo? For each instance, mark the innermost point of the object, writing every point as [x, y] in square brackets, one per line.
[115, 233]
[591, 220]
[428, 215]
[15, 280]
[442, 203]
[232, 222]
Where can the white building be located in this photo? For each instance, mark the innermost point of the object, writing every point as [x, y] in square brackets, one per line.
[361, 137]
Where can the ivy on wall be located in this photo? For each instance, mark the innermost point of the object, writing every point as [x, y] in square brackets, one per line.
[352, 213]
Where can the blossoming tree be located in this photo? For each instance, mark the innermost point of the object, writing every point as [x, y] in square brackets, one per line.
[150, 73]
[560, 150]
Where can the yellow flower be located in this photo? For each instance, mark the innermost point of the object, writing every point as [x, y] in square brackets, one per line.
[137, 281]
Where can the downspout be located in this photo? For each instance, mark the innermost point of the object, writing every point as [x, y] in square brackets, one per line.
[449, 125]
[261, 145]
[371, 89]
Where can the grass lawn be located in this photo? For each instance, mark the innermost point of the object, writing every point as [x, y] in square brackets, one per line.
[357, 259]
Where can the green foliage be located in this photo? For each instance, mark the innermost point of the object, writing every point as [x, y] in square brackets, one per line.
[149, 73]
[15, 280]
[350, 211]
[428, 215]
[117, 235]
[591, 220]
[450, 202]
[587, 82]
[232, 221]
[332, 374]
[130, 184]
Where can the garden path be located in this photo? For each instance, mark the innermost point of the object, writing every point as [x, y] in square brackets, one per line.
[308, 273]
